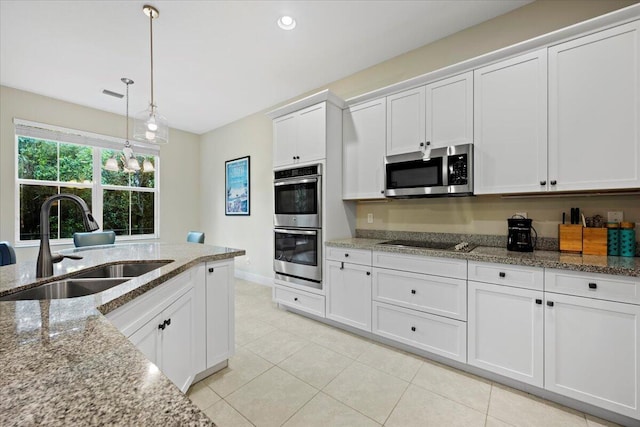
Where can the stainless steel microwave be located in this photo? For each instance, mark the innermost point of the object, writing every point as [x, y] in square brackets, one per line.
[448, 171]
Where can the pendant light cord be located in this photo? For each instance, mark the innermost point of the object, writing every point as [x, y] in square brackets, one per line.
[127, 134]
[151, 38]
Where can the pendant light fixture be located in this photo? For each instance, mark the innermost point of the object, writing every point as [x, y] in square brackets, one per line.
[129, 161]
[149, 125]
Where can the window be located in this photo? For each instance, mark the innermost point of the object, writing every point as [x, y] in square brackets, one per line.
[56, 160]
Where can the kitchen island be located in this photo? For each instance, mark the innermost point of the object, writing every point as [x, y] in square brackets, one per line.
[64, 363]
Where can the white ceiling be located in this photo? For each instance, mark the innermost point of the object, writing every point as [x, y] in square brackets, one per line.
[215, 61]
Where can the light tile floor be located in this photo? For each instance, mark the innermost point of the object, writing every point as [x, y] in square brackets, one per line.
[291, 371]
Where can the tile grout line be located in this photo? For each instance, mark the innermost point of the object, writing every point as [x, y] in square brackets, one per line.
[396, 404]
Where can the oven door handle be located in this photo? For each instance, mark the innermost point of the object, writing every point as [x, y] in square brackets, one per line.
[302, 232]
[295, 181]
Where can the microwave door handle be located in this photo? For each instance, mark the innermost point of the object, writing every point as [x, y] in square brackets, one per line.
[301, 232]
[445, 170]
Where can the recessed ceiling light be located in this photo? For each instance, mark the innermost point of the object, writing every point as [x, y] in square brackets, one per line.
[286, 23]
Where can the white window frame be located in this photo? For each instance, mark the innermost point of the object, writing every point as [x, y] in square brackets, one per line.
[97, 142]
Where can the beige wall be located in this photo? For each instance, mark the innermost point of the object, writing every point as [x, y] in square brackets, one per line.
[250, 136]
[486, 214]
[179, 173]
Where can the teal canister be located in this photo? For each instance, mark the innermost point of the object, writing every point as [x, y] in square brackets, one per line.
[627, 239]
[613, 239]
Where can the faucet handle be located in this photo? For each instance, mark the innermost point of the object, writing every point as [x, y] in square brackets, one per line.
[55, 258]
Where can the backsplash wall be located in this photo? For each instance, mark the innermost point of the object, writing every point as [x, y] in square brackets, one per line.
[487, 214]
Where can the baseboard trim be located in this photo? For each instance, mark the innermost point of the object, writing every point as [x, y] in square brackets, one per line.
[255, 278]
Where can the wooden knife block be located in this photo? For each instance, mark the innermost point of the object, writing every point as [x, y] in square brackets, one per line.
[594, 241]
[570, 236]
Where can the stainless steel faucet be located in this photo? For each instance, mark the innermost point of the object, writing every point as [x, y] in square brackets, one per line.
[45, 258]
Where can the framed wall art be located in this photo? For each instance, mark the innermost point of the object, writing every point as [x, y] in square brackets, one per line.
[237, 189]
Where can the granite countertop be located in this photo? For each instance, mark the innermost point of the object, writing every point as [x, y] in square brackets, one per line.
[64, 363]
[625, 266]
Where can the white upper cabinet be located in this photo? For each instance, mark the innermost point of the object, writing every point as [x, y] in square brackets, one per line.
[301, 136]
[312, 133]
[405, 121]
[594, 111]
[449, 111]
[510, 119]
[284, 140]
[363, 148]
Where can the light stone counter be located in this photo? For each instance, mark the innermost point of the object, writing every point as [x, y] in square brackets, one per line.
[550, 259]
[63, 363]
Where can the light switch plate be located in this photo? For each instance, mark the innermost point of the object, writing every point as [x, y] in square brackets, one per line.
[615, 216]
[370, 218]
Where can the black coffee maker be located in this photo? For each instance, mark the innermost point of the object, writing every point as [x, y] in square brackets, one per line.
[519, 237]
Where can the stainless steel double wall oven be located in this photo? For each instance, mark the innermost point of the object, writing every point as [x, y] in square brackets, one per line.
[298, 225]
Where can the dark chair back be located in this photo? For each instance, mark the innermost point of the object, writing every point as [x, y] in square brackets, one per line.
[7, 254]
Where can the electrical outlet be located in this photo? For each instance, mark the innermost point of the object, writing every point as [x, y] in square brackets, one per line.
[615, 216]
[522, 214]
[370, 218]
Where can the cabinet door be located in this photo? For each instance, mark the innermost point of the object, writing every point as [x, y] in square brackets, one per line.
[505, 331]
[594, 111]
[510, 120]
[592, 351]
[284, 140]
[405, 121]
[363, 147]
[312, 133]
[449, 119]
[349, 294]
[147, 338]
[219, 312]
[177, 341]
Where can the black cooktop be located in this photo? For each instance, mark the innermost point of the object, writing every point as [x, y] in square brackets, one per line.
[442, 246]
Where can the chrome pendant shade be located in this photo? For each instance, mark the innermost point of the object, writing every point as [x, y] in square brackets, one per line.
[149, 125]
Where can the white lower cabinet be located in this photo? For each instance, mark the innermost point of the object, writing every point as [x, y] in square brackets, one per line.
[309, 302]
[220, 299]
[426, 311]
[592, 351]
[443, 296]
[573, 333]
[506, 331]
[436, 334]
[349, 294]
[185, 325]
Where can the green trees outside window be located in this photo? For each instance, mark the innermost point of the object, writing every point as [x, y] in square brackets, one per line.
[125, 201]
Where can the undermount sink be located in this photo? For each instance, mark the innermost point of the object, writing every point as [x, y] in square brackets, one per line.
[68, 288]
[128, 269]
[86, 282]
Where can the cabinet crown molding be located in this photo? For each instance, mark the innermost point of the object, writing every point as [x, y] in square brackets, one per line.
[325, 95]
[611, 19]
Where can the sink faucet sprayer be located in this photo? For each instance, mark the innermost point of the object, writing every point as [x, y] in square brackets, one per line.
[45, 258]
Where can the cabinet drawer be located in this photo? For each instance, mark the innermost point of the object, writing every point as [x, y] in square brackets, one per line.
[508, 275]
[353, 256]
[436, 334]
[447, 267]
[593, 285]
[131, 316]
[300, 300]
[433, 294]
